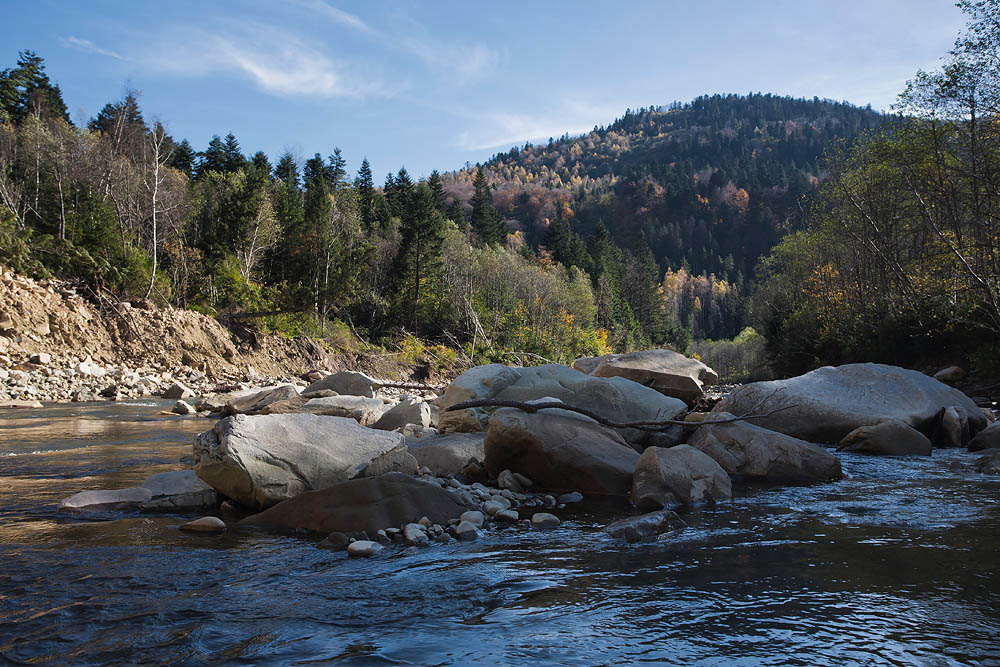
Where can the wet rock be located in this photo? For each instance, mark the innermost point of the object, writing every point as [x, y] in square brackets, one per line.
[368, 504]
[262, 460]
[891, 438]
[491, 507]
[183, 408]
[637, 528]
[543, 520]
[344, 382]
[506, 480]
[206, 524]
[415, 534]
[666, 371]
[178, 490]
[988, 438]
[573, 497]
[751, 452]
[475, 518]
[410, 410]
[466, 530]
[989, 463]
[448, 454]
[509, 516]
[363, 548]
[682, 475]
[560, 451]
[831, 402]
[954, 429]
[129, 498]
[177, 390]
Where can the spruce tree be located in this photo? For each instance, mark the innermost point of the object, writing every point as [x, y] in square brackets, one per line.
[184, 158]
[336, 170]
[436, 185]
[366, 196]
[485, 219]
[233, 159]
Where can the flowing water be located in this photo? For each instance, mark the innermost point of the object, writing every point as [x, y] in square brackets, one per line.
[896, 565]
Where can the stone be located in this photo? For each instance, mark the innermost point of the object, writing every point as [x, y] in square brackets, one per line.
[676, 477]
[891, 438]
[988, 438]
[506, 480]
[510, 516]
[415, 534]
[491, 507]
[544, 520]
[572, 497]
[40, 358]
[615, 398]
[368, 504]
[989, 463]
[206, 524]
[475, 518]
[425, 522]
[448, 454]
[177, 390]
[750, 452]
[363, 548]
[954, 429]
[336, 541]
[504, 503]
[408, 411]
[261, 401]
[950, 375]
[90, 369]
[129, 498]
[666, 371]
[345, 382]
[365, 411]
[262, 460]
[11, 405]
[830, 402]
[646, 526]
[183, 408]
[560, 451]
[178, 490]
[466, 530]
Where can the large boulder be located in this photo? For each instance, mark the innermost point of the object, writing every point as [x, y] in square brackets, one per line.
[370, 505]
[178, 490]
[666, 371]
[754, 453]
[678, 476]
[262, 460]
[988, 438]
[892, 438]
[259, 402]
[448, 454]
[350, 383]
[615, 399]
[830, 402]
[365, 411]
[410, 410]
[560, 451]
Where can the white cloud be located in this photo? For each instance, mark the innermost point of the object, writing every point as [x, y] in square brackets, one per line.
[87, 46]
[502, 130]
[336, 15]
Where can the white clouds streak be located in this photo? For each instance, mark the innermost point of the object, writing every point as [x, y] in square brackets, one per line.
[87, 46]
[501, 130]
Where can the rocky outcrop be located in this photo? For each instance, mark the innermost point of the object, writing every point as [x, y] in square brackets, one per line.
[750, 452]
[988, 438]
[616, 399]
[560, 451]
[349, 383]
[666, 371]
[262, 460]
[831, 402]
[448, 454]
[678, 476]
[368, 505]
[892, 438]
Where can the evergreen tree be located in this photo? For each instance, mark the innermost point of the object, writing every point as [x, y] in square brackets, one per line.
[233, 159]
[436, 185]
[366, 196]
[287, 169]
[422, 232]
[261, 163]
[485, 220]
[184, 158]
[214, 158]
[26, 89]
[336, 170]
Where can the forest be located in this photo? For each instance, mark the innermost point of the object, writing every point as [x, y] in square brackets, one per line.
[837, 232]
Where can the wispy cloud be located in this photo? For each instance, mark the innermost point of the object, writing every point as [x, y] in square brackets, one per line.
[87, 46]
[502, 129]
[336, 15]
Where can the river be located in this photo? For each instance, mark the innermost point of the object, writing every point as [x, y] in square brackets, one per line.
[898, 564]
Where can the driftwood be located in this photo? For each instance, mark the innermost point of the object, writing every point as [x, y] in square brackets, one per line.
[409, 385]
[642, 425]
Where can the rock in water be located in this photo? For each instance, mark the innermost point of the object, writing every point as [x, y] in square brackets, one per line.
[415, 534]
[560, 451]
[363, 548]
[682, 475]
[178, 490]
[370, 504]
[544, 520]
[989, 463]
[666, 371]
[262, 460]
[636, 528]
[892, 438]
[466, 530]
[474, 517]
[183, 408]
[206, 524]
[128, 498]
[345, 382]
[748, 451]
[615, 399]
[831, 402]
[988, 438]
[448, 454]
[408, 411]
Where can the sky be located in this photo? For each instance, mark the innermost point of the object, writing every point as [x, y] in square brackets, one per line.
[435, 84]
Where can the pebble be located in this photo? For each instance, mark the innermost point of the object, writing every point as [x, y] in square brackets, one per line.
[363, 548]
[543, 520]
[206, 524]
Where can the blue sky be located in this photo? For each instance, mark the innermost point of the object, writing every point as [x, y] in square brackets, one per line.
[435, 84]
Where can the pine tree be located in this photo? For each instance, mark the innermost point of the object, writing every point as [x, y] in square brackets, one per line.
[485, 219]
[422, 232]
[184, 158]
[436, 185]
[233, 159]
[366, 196]
[336, 170]
[287, 169]
[261, 163]
[26, 89]
[214, 158]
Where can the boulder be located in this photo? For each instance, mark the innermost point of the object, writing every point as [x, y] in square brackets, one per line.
[892, 438]
[129, 498]
[954, 429]
[615, 398]
[363, 548]
[447, 455]
[206, 524]
[988, 438]
[831, 402]
[474, 517]
[560, 451]
[345, 382]
[666, 371]
[636, 528]
[466, 530]
[177, 390]
[369, 504]
[178, 490]
[989, 463]
[262, 460]
[183, 408]
[544, 520]
[218, 402]
[950, 375]
[754, 453]
[682, 475]
[259, 402]
[415, 534]
[410, 410]
[365, 411]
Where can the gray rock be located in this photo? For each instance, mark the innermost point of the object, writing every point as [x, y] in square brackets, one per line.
[183, 408]
[368, 505]
[491, 507]
[448, 454]
[345, 382]
[988, 438]
[950, 375]
[560, 451]
[177, 390]
[365, 411]
[131, 497]
[751, 452]
[954, 429]
[408, 411]
[415, 535]
[892, 438]
[265, 401]
[568, 498]
[178, 490]
[363, 548]
[637, 528]
[831, 402]
[989, 463]
[262, 460]
[506, 480]
[666, 371]
[543, 520]
[510, 516]
[206, 524]
[475, 518]
[336, 541]
[466, 530]
[682, 475]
